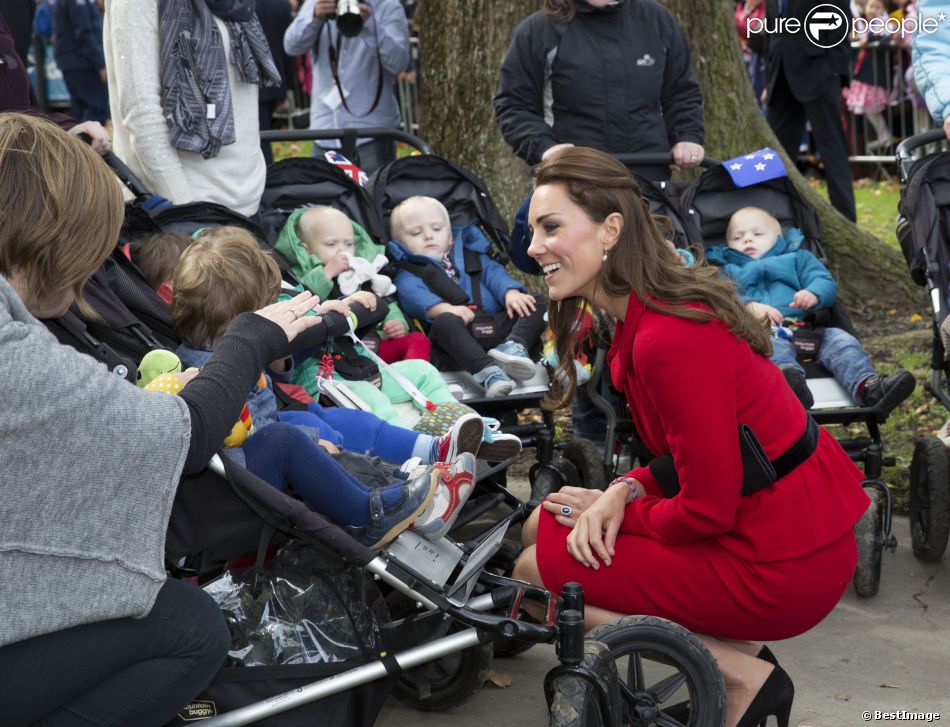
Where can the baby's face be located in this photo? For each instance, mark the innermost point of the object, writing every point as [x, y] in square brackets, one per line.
[326, 234]
[424, 229]
[753, 232]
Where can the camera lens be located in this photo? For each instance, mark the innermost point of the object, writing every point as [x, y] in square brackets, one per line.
[348, 17]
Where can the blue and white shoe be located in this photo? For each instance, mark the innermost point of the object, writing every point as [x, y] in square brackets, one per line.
[386, 523]
[495, 382]
[514, 359]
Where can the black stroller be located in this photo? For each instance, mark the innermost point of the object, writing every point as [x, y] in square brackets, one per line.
[292, 183]
[924, 231]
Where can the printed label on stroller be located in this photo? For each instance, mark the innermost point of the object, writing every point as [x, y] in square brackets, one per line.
[482, 326]
[198, 710]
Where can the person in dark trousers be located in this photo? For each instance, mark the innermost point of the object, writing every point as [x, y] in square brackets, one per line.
[803, 83]
[77, 25]
[275, 18]
[19, 16]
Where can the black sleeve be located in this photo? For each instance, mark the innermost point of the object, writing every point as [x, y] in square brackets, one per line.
[682, 100]
[518, 103]
[217, 394]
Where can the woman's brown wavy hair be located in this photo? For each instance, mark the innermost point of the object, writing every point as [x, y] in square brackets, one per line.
[561, 11]
[641, 262]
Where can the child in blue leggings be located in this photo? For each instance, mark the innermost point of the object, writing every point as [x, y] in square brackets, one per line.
[224, 273]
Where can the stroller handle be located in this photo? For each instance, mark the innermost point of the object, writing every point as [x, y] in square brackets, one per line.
[348, 136]
[653, 159]
[135, 185]
[905, 148]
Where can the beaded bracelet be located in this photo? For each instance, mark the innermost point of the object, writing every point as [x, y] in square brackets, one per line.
[631, 484]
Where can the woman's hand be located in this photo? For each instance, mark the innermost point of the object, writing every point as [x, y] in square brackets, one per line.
[595, 533]
[687, 154]
[576, 498]
[291, 316]
[100, 142]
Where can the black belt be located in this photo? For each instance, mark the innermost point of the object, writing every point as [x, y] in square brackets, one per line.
[758, 472]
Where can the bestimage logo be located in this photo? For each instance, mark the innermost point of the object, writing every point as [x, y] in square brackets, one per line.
[827, 26]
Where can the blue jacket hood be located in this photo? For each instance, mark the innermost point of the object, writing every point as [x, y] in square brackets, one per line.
[790, 240]
[470, 237]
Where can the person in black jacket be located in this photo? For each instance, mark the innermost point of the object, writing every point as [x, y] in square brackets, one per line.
[803, 83]
[610, 74]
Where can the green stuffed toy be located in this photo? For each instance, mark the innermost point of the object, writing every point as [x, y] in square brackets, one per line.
[154, 364]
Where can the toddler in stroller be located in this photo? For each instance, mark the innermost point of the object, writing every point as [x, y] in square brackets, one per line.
[480, 319]
[288, 450]
[333, 256]
[784, 283]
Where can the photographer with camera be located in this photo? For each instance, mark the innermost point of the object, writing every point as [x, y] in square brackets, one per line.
[357, 48]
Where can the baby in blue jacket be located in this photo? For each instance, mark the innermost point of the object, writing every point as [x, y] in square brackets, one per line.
[479, 318]
[780, 281]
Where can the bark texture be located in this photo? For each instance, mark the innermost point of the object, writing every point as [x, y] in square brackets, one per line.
[462, 43]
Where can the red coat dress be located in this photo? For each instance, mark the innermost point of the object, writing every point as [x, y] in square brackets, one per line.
[765, 566]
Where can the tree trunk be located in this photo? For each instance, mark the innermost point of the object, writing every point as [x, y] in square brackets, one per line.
[462, 46]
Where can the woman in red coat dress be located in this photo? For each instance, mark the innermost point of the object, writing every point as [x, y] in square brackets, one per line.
[692, 363]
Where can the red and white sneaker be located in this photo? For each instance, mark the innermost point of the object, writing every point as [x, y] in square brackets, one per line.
[464, 436]
[456, 482]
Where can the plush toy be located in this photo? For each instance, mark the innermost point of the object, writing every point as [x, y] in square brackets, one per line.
[362, 270]
[157, 371]
[154, 364]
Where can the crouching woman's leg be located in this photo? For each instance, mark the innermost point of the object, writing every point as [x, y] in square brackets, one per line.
[130, 671]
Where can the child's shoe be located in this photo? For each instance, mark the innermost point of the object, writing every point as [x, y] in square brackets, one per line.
[886, 391]
[386, 523]
[501, 447]
[514, 359]
[495, 382]
[464, 436]
[457, 480]
[795, 378]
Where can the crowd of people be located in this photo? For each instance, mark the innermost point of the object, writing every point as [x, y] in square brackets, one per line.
[184, 89]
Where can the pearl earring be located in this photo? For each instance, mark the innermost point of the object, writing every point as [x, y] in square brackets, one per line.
[605, 255]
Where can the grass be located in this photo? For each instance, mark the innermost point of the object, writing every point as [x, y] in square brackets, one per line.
[876, 204]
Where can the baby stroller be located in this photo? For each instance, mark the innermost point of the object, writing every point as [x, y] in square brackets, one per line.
[924, 231]
[224, 513]
[292, 183]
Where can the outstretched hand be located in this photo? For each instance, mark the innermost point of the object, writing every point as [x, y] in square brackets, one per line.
[291, 315]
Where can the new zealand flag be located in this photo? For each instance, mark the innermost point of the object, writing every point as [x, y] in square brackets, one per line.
[755, 167]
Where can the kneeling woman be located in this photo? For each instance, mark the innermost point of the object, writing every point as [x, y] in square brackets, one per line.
[727, 555]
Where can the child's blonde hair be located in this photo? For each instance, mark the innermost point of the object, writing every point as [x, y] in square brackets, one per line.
[776, 225]
[395, 217]
[222, 274]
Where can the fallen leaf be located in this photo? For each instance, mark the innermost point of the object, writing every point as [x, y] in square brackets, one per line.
[843, 697]
[889, 686]
[916, 317]
[892, 312]
[502, 681]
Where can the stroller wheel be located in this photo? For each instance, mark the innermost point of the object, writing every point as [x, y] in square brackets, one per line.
[868, 532]
[587, 460]
[929, 498]
[446, 682]
[666, 677]
[575, 702]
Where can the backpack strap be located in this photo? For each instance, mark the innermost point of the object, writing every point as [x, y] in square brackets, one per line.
[437, 281]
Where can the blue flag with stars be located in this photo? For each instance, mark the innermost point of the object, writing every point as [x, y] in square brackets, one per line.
[755, 167]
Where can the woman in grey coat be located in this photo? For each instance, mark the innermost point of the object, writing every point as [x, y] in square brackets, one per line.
[92, 631]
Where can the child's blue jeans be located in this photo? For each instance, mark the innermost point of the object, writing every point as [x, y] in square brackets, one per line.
[839, 352]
